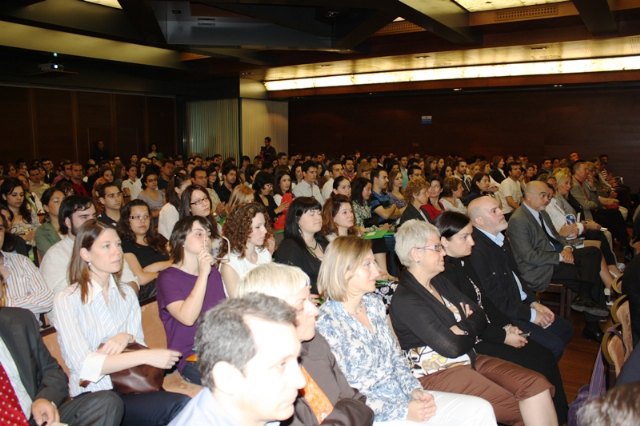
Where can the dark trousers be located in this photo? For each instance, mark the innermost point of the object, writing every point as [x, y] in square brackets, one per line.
[605, 248]
[555, 337]
[102, 408]
[153, 408]
[583, 276]
[612, 219]
[191, 373]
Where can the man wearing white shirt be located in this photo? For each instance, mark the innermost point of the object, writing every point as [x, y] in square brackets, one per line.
[336, 170]
[307, 187]
[511, 189]
[74, 211]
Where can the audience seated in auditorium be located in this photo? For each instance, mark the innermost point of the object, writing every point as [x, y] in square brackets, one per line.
[308, 187]
[503, 338]
[169, 213]
[544, 257]
[493, 260]
[438, 327]
[353, 321]
[110, 199]
[433, 207]
[74, 211]
[151, 192]
[25, 220]
[327, 397]
[252, 386]
[96, 317]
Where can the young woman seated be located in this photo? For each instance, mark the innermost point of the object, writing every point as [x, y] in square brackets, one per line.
[145, 252]
[337, 218]
[96, 317]
[247, 230]
[188, 288]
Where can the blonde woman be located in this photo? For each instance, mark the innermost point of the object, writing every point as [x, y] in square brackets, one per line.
[354, 323]
[346, 405]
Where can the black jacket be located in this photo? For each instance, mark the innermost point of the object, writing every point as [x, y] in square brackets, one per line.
[495, 266]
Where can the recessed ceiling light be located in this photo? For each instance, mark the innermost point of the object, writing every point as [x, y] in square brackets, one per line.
[109, 3]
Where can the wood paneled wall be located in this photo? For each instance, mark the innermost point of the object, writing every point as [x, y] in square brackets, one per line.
[65, 124]
[539, 123]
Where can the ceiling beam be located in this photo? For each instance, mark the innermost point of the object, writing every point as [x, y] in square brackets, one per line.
[363, 29]
[597, 16]
[143, 19]
[443, 18]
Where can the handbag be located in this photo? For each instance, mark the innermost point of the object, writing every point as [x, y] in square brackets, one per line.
[139, 379]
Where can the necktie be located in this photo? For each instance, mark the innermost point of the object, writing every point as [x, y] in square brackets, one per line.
[10, 409]
[556, 244]
[316, 398]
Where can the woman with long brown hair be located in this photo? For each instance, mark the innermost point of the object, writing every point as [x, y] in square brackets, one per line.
[96, 317]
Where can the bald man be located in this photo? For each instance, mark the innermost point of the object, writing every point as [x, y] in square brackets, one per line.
[543, 256]
[493, 261]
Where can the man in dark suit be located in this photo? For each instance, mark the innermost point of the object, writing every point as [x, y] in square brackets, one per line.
[543, 256]
[492, 259]
[40, 385]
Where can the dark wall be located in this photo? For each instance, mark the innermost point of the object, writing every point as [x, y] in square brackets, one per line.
[65, 124]
[539, 123]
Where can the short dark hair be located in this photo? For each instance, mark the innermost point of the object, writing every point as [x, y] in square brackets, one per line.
[307, 165]
[229, 167]
[102, 188]
[262, 179]
[224, 336]
[69, 206]
[511, 165]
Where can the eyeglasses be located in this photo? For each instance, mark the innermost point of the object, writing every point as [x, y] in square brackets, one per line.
[114, 195]
[438, 248]
[142, 218]
[201, 201]
[544, 195]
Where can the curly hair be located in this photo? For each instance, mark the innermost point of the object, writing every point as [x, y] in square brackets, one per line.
[414, 187]
[237, 227]
[152, 238]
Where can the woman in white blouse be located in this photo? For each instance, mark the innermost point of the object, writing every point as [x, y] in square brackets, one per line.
[248, 231]
[96, 318]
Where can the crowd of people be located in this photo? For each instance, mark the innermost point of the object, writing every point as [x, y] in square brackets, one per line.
[266, 274]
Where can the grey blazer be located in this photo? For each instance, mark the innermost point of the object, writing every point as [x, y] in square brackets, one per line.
[535, 256]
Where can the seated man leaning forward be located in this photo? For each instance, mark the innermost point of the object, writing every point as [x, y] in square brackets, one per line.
[248, 352]
[544, 257]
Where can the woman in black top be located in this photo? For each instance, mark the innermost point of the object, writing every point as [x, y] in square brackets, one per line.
[500, 339]
[145, 251]
[303, 245]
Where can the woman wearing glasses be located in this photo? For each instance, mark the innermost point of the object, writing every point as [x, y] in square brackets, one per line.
[438, 327]
[150, 193]
[145, 251]
[195, 201]
[247, 230]
[188, 288]
[354, 323]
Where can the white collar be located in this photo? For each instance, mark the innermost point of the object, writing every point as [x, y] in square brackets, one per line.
[94, 288]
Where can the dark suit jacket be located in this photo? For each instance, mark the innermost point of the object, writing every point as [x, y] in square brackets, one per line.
[495, 266]
[419, 319]
[412, 213]
[41, 374]
[535, 256]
